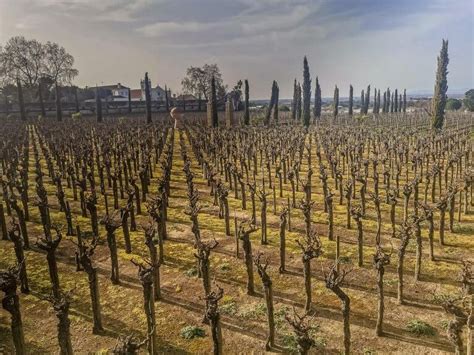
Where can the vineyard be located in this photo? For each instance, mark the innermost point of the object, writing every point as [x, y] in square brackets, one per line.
[349, 235]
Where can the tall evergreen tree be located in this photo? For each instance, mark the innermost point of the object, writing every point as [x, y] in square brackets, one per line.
[306, 93]
[378, 102]
[294, 104]
[374, 107]
[351, 100]
[441, 87]
[387, 109]
[299, 104]
[336, 102]
[404, 100]
[268, 113]
[215, 117]
[391, 103]
[275, 101]
[98, 105]
[147, 99]
[247, 109]
[129, 101]
[317, 100]
[367, 100]
[362, 102]
[384, 104]
[167, 99]
[395, 108]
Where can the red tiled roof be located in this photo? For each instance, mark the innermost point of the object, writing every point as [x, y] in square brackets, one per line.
[136, 94]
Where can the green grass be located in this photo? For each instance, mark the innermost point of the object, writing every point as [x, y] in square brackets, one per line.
[192, 331]
[253, 311]
[419, 328]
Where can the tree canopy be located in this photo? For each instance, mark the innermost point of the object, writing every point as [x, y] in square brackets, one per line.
[469, 100]
[453, 104]
[31, 61]
[198, 81]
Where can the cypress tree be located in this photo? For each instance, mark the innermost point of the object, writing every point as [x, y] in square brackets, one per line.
[247, 110]
[384, 104]
[395, 107]
[351, 99]
[336, 101]
[294, 106]
[362, 102]
[215, 117]
[147, 99]
[21, 101]
[298, 103]
[268, 113]
[167, 100]
[129, 101]
[374, 108]
[400, 103]
[98, 105]
[387, 109]
[367, 100]
[276, 95]
[378, 102]
[317, 100]
[391, 103]
[441, 87]
[404, 100]
[306, 93]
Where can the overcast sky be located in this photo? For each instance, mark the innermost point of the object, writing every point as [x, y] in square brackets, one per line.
[378, 42]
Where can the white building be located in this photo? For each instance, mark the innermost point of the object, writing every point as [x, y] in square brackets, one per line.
[120, 90]
[157, 93]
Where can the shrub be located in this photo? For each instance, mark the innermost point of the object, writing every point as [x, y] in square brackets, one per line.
[253, 311]
[191, 272]
[280, 316]
[283, 108]
[192, 331]
[291, 345]
[419, 327]
[469, 100]
[228, 305]
[76, 115]
[453, 104]
[229, 308]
